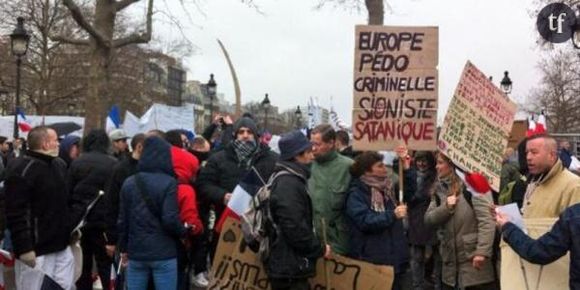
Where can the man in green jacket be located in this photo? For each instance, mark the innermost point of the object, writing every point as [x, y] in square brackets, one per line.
[328, 186]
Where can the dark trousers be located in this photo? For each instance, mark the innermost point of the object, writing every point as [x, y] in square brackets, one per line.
[93, 246]
[200, 248]
[287, 284]
[486, 286]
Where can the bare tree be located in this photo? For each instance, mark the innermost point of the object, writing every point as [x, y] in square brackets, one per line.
[558, 93]
[49, 77]
[102, 41]
[375, 8]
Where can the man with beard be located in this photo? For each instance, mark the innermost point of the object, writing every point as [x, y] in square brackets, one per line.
[224, 169]
[328, 185]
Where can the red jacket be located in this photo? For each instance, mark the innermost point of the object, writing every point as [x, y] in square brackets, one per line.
[186, 166]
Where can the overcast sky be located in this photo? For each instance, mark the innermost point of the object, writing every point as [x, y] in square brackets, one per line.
[293, 51]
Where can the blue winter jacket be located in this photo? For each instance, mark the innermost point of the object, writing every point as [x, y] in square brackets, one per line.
[563, 237]
[377, 237]
[143, 234]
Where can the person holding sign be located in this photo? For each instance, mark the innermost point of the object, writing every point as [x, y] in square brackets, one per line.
[376, 228]
[466, 233]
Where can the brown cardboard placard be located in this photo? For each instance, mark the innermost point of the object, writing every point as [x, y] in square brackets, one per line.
[477, 125]
[395, 87]
[237, 267]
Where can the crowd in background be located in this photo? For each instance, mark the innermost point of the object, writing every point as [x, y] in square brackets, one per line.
[149, 203]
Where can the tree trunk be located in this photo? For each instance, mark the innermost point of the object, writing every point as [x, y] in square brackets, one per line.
[99, 76]
[376, 9]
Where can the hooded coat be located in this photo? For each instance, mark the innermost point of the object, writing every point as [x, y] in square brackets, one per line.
[89, 174]
[65, 146]
[186, 166]
[143, 234]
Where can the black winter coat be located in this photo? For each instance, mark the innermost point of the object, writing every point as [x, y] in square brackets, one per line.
[418, 202]
[222, 173]
[121, 172]
[37, 204]
[89, 174]
[295, 247]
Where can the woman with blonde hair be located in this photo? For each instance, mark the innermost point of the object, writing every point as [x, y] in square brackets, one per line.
[466, 231]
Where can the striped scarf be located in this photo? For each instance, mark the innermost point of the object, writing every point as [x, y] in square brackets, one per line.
[245, 151]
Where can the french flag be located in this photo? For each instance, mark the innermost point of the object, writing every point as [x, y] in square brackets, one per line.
[241, 197]
[541, 124]
[531, 127]
[6, 260]
[23, 124]
[113, 277]
[113, 119]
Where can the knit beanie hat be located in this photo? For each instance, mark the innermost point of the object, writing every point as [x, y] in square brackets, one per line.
[293, 143]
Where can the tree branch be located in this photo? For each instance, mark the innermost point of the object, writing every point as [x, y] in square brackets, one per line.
[136, 38]
[122, 4]
[68, 40]
[83, 23]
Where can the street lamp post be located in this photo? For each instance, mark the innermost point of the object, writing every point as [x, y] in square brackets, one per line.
[266, 105]
[211, 91]
[506, 83]
[298, 115]
[19, 45]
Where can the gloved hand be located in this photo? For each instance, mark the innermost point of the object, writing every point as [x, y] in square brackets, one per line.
[28, 258]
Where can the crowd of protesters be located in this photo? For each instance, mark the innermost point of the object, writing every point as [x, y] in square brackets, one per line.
[148, 203]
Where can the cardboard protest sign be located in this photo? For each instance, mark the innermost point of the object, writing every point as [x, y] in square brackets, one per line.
[477, 125]
[525, 275]
[395, 87]
[237, 267]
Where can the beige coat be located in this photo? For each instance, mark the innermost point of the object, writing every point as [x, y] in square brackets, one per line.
[557, 191]
[464, 232]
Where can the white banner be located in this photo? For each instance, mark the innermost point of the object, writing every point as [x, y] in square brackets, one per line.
[161, 117]
[7, 124]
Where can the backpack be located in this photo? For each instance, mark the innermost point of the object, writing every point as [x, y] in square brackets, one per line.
[507, 195]
[257, 223]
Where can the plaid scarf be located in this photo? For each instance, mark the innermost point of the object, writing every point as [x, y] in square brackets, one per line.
[245, 151]
[381, 190]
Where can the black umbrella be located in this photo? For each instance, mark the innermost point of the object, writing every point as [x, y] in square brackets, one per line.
[65, 128]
